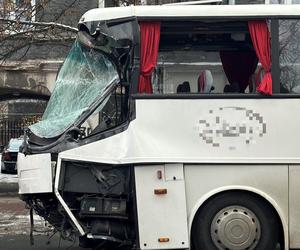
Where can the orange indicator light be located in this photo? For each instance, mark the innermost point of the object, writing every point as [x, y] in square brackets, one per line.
[163, 240]
[160, 191]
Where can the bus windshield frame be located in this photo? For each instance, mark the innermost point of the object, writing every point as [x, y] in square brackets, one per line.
[83, 79]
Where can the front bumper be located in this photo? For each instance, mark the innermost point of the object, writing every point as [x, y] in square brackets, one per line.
[35, 173]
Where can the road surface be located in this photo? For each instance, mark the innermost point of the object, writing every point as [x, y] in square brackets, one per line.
[15, 222]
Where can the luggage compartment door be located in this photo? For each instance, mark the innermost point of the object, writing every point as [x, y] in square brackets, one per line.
[161, 206]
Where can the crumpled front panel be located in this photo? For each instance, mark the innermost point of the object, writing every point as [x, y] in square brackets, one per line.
[83, 77]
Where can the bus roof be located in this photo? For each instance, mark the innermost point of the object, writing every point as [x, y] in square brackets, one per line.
[161, 12]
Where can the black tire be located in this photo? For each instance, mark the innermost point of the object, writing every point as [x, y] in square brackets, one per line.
[201, 230]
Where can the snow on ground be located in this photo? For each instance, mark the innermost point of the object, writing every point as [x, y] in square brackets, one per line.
[8, 178]
[20, 224]
[15, 219]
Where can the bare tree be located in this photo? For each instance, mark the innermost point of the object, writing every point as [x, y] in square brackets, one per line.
[289, 35]
[22, 25]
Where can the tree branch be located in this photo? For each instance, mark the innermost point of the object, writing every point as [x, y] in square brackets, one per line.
[52, 24]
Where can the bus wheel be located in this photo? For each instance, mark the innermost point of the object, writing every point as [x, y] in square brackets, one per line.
[235, 221]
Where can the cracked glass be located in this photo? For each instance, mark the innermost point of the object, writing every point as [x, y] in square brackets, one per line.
[84, 76]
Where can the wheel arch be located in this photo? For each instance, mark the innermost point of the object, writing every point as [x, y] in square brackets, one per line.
[267, 198]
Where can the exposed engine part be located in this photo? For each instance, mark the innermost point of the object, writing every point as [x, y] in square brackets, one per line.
[47, 207]
[100, 198]
[95, 179]
[103, 207]
[118, 230]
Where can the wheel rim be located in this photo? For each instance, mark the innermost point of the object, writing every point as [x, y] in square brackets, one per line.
[235, 227]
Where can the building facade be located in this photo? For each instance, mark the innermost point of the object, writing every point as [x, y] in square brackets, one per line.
[35, 67]
[32, 59]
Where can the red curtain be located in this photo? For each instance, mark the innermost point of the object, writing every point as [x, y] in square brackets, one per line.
[149, 35]
[260, 37]
[238, 67]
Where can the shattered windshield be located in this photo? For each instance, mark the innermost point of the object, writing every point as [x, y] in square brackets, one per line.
[83, 77]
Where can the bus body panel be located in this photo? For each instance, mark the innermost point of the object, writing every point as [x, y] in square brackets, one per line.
[35, 173]
[268, 181]
[294, 205]
[161, 206]
[200, 11]
[203, 131]
[243, 134]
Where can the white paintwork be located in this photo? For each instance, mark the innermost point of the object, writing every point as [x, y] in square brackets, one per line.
[161, 215]
[168, 131]
[174, 172]
[62, 202]
[156, 12]
[35, 173]
[294, 202]
[268, 181]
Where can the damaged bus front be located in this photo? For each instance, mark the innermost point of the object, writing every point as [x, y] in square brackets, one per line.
[90, 102]
[156, 136]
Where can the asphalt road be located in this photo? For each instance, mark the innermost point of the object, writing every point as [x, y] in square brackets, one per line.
[15, 229]
[15, 223]
[22, 242]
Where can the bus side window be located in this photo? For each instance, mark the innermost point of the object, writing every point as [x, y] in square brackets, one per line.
[212, 56]
[289, 57]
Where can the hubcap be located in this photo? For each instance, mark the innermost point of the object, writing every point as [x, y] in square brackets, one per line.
[235, 228]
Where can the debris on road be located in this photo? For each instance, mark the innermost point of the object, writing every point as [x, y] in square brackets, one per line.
[14, 218]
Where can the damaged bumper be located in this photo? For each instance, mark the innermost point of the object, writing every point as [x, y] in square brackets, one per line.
[91, 200]
[35, 174]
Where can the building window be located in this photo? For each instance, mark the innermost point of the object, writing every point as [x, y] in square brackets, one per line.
[22, 10]
[274, 1]
[19, 12]
[282, 1]
[246, 2]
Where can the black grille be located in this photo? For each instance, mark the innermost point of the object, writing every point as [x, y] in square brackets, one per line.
[12, 126]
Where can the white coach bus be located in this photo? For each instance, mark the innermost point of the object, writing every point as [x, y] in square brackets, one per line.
[173, 127]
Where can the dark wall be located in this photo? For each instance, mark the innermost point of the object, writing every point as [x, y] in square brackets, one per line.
[43, 51]
[67, 11]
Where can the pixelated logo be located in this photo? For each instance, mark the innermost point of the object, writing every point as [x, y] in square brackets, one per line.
[231, 126]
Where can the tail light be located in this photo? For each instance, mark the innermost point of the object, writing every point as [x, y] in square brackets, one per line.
[6, 156]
